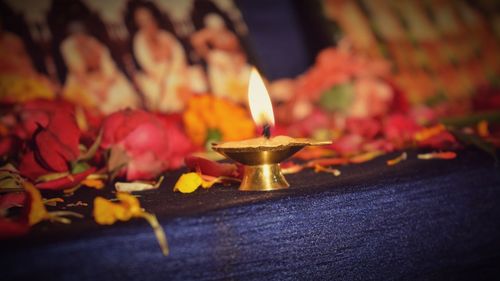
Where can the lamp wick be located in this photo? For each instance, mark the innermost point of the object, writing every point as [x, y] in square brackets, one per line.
[266, 131]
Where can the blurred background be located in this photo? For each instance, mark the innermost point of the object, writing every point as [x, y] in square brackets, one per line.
[155, 54]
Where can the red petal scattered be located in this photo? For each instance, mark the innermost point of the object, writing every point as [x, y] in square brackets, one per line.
[211, 168]
[30, 168]
[440, 141]
[65, 182]
[438, 155]
[10, 228]
[12, 199]
[327, 162]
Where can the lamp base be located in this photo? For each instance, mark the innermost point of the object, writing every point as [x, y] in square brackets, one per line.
[265, 177]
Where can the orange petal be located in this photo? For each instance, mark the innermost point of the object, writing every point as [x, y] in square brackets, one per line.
[482, 129]
[427, 133]
[319, 168]
[398, 159]
[365, 157]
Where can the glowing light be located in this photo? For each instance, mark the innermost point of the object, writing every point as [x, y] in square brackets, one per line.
[259, 100]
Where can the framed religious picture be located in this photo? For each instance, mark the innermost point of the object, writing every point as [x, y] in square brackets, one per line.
[110, 55]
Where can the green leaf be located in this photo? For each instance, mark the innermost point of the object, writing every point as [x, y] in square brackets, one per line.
[79, 167]
[51, 176]
[213, 135]
[439, 98]
[10, 180]
[472, 119]
[338, 98]
[10, 185]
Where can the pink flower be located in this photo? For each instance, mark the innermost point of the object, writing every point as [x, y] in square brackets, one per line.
[151, 144]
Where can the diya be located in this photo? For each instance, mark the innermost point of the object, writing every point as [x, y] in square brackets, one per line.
[261, 157]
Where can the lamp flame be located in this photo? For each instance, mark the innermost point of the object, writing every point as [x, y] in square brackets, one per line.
[259, 101]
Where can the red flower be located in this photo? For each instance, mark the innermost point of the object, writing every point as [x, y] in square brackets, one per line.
[348, 144]
[365, 127]
[39, 113]
[400, 129]
[8, 145]
[151, 144]
[52, 148]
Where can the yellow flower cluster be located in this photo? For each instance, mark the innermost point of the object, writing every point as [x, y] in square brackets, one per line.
[15, 88]
[208, 118]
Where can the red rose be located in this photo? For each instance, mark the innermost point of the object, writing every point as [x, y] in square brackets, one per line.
[39, 112]
[8, 145]
[150, 144]
[52, 148]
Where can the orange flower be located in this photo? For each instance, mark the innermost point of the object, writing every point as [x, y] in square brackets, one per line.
[208, 118]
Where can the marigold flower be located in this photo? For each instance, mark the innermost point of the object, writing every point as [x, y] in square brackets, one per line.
[209, 118]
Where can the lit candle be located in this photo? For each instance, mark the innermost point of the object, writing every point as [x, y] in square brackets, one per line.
[260, 104]
[261, 156]
[262, 113]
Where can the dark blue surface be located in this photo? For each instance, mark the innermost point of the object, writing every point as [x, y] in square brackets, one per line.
[418, 220]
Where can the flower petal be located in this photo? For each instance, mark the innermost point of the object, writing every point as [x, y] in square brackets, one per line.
[210, 168]
[188, 183]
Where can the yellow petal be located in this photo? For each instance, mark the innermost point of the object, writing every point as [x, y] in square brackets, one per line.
[188, 183]
[107, 213]
[208, 184]
[94, 183]
[103, 211]
[37, 211]
[130, 203]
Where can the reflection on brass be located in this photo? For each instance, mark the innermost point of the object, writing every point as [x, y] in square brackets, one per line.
[261, 164]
